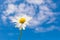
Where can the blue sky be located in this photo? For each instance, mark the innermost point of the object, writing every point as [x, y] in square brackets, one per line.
[45, 24]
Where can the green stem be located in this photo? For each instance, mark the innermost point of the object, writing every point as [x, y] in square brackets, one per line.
[19, 38]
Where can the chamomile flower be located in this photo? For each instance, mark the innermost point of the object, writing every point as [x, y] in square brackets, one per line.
[21, 21]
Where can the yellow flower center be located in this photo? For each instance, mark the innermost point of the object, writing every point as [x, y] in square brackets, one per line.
[22, 20]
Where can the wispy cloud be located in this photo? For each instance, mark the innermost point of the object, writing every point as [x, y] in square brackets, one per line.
[11, 8]
[36, 2]
[11, 34]
[42, 29]
[10, 1]
[3, 18]
[44, 14]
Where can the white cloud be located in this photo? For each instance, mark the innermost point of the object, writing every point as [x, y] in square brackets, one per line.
[51, 3]
[11, 34]
[38, 18]
[10, 1]
[11, 9]
[3, 18]
[24, 9]
[51, 20]
[44, 8]
[34, 22]
[42, 29]
[38, 2]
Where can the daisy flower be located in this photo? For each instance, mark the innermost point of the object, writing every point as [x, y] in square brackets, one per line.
[21, 21]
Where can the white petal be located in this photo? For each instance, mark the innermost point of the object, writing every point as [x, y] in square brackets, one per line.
[18, 25]
[24, 25]
[23, 28]
[12, 19]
